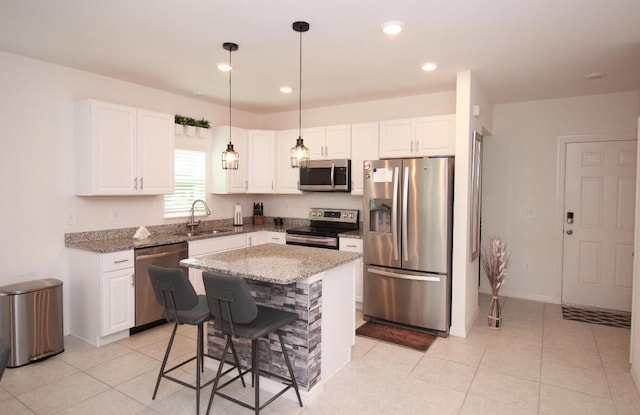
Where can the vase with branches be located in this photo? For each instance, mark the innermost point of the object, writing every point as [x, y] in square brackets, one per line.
[495, 260]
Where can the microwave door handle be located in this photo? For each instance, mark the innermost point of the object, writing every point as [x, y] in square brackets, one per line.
[405, 219]
[333, 168]
[394, 214]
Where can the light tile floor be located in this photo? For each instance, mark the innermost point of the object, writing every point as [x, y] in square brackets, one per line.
[537, 363]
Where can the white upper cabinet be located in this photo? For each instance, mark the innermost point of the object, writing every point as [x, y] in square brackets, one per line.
[122, 150]
[364, 146]
[287, 178]
[337, 142]
[229, 181]
[261, 162]
[417, 137]
[325, 143]
[255, 172]
[435, 136]
[314, 140]
[155, 152]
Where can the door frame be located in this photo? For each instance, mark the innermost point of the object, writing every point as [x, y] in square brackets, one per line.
[560, 189]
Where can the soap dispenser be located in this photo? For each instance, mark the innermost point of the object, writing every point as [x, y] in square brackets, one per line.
[237, 215]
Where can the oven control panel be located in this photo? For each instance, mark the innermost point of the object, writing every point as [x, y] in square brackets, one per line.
[334, 215]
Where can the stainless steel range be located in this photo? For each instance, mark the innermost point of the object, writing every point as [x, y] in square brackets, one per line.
[324, 228]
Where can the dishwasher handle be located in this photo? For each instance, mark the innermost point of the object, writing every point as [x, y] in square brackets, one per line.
[159, 255]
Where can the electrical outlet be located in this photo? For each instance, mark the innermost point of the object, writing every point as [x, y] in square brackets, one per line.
[70, 218]
[115, 215]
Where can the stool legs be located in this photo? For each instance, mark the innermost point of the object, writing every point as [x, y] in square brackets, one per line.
[288, 362]
[199, 365]
[164, 360]
[255, 375]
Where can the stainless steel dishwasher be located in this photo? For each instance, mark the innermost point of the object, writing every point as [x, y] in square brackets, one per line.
[148, 311]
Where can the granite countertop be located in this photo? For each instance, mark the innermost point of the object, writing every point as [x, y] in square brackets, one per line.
[273, 263]
[115, 240]
[103, 242]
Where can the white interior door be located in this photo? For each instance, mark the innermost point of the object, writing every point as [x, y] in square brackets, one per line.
[600, 184]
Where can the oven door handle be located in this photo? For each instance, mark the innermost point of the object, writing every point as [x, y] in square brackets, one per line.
[317, 240]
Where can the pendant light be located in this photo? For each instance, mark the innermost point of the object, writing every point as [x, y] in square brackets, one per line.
[299, 153]
[230, 157]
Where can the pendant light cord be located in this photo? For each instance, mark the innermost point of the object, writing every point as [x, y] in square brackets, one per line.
[300, 93]
[231, 68]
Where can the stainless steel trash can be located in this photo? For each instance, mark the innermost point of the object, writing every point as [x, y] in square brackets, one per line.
[31, 320]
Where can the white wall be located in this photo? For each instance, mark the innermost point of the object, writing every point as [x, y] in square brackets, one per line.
[464, 303]
[388, 109]
[521, 172]
[36, 163]
[634, 357]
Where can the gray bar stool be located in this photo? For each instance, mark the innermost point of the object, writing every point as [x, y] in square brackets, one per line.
[237, 315]
[182, 305]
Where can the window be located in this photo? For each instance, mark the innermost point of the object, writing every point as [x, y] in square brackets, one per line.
[190, 171]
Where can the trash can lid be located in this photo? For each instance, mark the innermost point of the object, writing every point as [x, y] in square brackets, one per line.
[29, 286]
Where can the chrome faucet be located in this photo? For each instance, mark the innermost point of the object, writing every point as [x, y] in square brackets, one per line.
[192, 224]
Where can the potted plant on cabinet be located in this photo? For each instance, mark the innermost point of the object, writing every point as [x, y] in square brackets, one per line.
[180, 121]
[202, 128]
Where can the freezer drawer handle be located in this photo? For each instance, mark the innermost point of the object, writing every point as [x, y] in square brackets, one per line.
[403, 276]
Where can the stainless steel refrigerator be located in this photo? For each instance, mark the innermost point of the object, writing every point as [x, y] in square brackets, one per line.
[407, 223]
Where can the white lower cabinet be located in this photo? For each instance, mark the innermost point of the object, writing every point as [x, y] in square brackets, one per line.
[271, 237]
[255, 238]
[102, 295]
[212, 246]
[355, 245]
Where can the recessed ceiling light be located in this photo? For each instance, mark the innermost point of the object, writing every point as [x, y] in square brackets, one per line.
[224, 67]
[429, 67]
[392, 28]
[285, 89]
[595, 75]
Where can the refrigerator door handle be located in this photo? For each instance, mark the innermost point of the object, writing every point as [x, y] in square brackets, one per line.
[402, 276]
[405, 218]
[394, 214]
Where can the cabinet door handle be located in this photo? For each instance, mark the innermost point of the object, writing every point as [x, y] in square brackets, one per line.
[133, 280]
[120, 261]
[350, 246]
[417, 146]
[135, 183]
[411, 150]
[142, 183]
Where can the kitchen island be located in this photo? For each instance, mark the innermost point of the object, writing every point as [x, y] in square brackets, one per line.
[317, 284]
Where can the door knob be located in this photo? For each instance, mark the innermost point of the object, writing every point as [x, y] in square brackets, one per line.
[569, 232]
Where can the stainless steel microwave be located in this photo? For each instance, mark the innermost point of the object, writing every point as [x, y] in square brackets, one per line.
[326, 176]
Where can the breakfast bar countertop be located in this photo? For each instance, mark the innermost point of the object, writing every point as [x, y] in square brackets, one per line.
[273, 263]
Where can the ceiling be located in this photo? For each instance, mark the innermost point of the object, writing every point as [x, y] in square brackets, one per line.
[518, 50]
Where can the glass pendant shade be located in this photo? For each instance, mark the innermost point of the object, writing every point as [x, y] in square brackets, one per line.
[230, 158]
[299, 154]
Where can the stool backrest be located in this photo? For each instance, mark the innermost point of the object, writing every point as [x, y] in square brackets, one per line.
[173, 290]
[229, 300]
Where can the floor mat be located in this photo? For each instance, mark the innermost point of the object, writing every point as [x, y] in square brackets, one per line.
[392, 334]
[597, 316]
